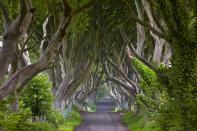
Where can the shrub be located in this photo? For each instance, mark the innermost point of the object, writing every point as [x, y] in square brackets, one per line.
[13, 121]
[72, 120]
[56, 118]
[138, 123]
[39, 126]
[37, 95]
[20, 120]
[149, 84]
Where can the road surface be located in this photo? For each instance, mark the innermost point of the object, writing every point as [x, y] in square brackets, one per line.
[102, 119]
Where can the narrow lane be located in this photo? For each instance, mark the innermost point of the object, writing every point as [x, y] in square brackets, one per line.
[102, 119]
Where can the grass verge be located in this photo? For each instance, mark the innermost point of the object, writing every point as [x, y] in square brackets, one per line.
[73, 119]
[138, 123]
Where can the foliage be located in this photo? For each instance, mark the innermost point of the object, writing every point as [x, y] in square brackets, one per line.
[81, 22]
[174, 106]
[163, 101]
[20, 120]
[148, 84]
[55, 117]
[72, 120]
[14, 120]
[37, 95]
[182, 87]
[138, 123]
[180, 107]
[39, 126]
[38, 88]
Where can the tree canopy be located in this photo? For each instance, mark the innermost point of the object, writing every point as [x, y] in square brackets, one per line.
[143, 52]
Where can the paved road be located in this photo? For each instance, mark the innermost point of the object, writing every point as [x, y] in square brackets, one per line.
[105, 105]
[102, 120]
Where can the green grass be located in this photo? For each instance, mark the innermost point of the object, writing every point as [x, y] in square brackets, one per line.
[137, 123]
[71, 121]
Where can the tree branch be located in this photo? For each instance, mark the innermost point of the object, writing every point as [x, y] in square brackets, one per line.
[127, 40]
[5, 14]
[135, 17]
[76, 82]
[132, 49]
[22, 12]
[83, 7]
[21, 77]
[154, 16]
[72, 13]
[121, 72]
[66, 8]
[119, 82]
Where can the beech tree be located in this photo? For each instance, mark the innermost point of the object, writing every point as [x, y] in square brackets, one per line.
[18, 79]
[142, 51]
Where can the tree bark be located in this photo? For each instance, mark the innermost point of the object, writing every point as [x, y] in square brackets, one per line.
[140, 30]
[22, 76]
[157, 41]
[13, 31]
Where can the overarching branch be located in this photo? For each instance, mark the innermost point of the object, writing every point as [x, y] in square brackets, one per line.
[132, 49]
[121, 72]
[135, 18]
[22, 76]
[117, 81]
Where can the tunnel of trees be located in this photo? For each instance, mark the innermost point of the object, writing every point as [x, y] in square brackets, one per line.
[56, 54]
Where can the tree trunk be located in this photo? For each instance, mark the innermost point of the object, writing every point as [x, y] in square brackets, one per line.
[7, 54]
[13, 31]
[158, 49]
[157, 41]
[14, 105]
[140, 31]
[183, 80]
